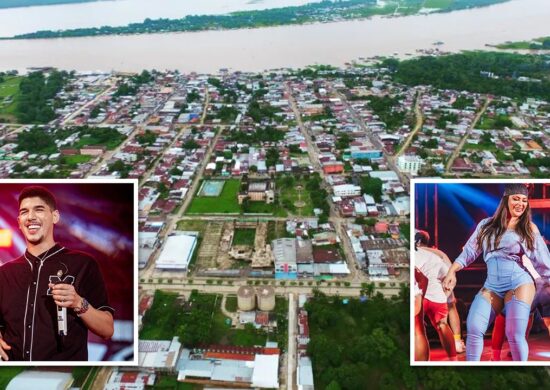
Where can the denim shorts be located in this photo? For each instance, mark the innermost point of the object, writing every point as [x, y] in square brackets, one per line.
[505, 275]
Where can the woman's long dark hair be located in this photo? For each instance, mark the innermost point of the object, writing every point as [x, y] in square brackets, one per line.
[497, 225]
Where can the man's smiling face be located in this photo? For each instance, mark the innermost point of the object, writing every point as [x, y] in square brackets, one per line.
[36, 220]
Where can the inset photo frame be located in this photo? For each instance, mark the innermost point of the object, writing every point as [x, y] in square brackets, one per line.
[68, 272]
[480, 290]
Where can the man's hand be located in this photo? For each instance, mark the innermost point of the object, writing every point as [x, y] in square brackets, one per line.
[3, 348]
[64, 295]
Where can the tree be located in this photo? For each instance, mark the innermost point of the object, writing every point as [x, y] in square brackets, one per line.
[272, 157]
[163, 190]
[190, 144]
[147, 138]
[373, 187]
[193, 96]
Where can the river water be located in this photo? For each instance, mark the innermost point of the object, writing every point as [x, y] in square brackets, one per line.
[120, 13]
[286, 46]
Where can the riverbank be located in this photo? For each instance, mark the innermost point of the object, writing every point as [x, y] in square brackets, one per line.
[296, 15]
[333, 43]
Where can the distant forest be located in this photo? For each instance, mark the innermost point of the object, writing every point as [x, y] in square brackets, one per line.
[29, 3]
[483, 72]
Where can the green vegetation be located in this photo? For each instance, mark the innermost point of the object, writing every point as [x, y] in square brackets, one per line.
[262, 111]
[163, 318]
[405, 230]
[462, 102]
[244, 237]
[131, 86]
[35, 102]
[384, 107]
[199, 323]
[121, 167]
[147, 138]
[231, 304]
[73, 161]
[372, 186]
[227, 114]
[288, 194]
[42, 141]
[276, 229]
[357, 343]
[192, 226]
[169, 382]
[7, 374]
[256, 207]
[318, 196]
[498, 123]
[308, 13]
[265, 134]
[35, 140]
[437, 3]
[535, 44]
[463, 72]
[9, 92]
[84, 377]
[104, 136]
[225, 203]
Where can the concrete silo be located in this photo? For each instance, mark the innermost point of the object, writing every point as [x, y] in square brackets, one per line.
[266, 298]
[246, 298]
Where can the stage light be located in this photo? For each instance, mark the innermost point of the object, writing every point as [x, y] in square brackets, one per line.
[5, 238]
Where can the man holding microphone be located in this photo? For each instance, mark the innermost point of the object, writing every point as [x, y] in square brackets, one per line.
[50, 296]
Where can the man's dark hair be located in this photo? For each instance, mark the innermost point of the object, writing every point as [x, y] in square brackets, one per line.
[421, 237]
[39, 192]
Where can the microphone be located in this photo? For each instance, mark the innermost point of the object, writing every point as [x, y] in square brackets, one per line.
[61, 321]
[62, 327]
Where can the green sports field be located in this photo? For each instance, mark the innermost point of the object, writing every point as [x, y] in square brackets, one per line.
[225, 203]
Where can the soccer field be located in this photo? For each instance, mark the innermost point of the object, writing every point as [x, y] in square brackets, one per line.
[225, 203]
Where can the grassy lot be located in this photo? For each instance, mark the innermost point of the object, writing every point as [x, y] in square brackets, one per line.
[192, 225]
[231, 304]
[163, 318]
[276, 229]
[244, 237]
[90, 139]
[260, 208]
[226, 203]
[73, 161]
[169, 382]
[7, 374]
[9, 89]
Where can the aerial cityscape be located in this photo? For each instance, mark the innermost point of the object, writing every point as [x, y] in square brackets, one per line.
[274, 206]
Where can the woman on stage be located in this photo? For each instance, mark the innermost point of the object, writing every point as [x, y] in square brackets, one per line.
[503, 239]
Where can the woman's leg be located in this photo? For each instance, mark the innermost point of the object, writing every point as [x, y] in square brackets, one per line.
[497, 338]
[518, 306]
[482, 313]
[421, 346]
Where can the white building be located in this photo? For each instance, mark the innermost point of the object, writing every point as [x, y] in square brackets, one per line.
[344, 190]
[410, 164]
[47, 380]
[178, 251]
[159, 354]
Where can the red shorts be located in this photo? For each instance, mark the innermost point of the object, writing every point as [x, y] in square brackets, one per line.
[435, 311]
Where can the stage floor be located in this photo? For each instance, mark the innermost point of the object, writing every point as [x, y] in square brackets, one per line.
[539, 350]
